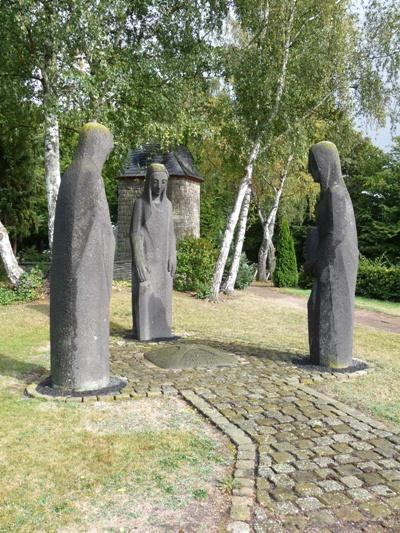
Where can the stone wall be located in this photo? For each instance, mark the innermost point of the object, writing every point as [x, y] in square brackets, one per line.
[184, 194]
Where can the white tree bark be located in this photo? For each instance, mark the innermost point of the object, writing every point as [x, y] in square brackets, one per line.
[246, 181]
[268, 224]
[13, 270]
[52, 168]
[232, 221]
[229, 285]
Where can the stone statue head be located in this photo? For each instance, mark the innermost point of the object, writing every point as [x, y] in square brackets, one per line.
[156, 182]
[95, 142]
[324, 165]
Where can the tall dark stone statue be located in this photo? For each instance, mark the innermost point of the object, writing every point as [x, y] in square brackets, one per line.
[81, 271]
[153, 257]
[332, 257]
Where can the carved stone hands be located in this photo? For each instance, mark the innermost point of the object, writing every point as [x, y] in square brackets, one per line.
[171, 266]
[142, 272]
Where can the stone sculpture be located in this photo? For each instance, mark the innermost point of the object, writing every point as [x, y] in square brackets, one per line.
[81, 271]
[153, 257]
[332, 258]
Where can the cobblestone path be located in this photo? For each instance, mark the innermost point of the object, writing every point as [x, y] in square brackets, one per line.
[305, 462]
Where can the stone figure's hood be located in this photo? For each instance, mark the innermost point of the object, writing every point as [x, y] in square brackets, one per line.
[147, 196]
[95, 142]
[326, 157]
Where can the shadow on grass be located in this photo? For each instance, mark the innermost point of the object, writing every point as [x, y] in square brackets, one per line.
[44, 309]
[21, 370]
[119, 330]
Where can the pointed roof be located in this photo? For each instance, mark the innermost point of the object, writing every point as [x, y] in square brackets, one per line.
[179, 162]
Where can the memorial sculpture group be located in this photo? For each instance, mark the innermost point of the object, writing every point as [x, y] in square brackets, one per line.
[83, 253]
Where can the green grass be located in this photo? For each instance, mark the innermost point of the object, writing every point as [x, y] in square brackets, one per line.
[253, 324]
[66, 465]
[380, 306]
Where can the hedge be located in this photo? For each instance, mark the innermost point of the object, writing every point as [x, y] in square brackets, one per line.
[378, 280]
[375, 279]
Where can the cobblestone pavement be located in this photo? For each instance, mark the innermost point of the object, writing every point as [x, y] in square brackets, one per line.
[305, 461]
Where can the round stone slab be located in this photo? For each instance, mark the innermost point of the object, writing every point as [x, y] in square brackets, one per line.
[190, 356]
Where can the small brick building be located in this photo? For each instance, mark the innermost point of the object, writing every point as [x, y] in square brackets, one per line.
[183, 191]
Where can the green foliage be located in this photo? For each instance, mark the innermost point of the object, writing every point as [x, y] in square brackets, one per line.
[285, 274]
[246, 272]
[305, 280]
[374, 186]
[31, 256]
[30, 287]
[378, 279]
[23, 208]
[195, 265]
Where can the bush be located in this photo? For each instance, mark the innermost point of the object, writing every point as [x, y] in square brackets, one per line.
[378, 279]
[30, 287]
[305, 280]
[30, 256]
[285, 274]
[195, 266]
[246, 272]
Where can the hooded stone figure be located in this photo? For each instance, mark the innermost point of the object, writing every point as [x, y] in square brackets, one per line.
[81, 270]
[153, 245]
[332, 258]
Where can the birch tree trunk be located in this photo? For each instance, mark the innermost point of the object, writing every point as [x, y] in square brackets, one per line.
[13, 270]
[52, 168]
[268, 224]
[246, 181]
[229, 285]
[232, 221]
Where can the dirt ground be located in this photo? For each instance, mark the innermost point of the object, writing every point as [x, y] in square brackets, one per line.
[363, 317]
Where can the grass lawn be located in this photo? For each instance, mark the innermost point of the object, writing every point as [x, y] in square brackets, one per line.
[123, 466]
[120, 466]
[380, 306]
[250, 321]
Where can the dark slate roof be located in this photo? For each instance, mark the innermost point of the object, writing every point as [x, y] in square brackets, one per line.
[179, 162]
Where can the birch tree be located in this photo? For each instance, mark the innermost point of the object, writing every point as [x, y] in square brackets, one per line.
[274, 43]
[111, 61]
[229, 285]
[286, 59]
[13, 270]
[267, 250]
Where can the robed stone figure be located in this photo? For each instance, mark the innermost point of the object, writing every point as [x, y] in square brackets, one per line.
[153, 244]
[82, 268]
[332, 258]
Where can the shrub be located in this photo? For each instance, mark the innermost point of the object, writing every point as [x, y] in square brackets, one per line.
[30, 287]
[378, 279]
[246, 272]
[285, 274]
[195, 266]
[305, 280]
[31, 256]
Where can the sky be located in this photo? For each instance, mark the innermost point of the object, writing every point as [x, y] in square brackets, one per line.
[381, 137]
